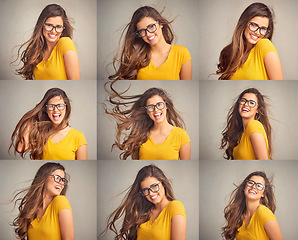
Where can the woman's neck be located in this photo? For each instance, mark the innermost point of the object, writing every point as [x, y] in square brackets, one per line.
[161, 47]
[251, 207]
[245, 121]
[162, 126]
[161, 205]
[46, 201]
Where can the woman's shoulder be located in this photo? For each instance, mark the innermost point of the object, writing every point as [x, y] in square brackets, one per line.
[265, 45]
[255, 124]
[265, 214]
[65, 43]
[60, 198]
[178, 130]
[176, 207]
[179, 49]
[61, 202]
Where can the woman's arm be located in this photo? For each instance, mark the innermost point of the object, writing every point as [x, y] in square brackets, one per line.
[186, 71]
[273, 66]
[273, 230]
[66, 224]
[178, 228]
[72, 66]
[185, 151]
[81, 153]
[259, 146]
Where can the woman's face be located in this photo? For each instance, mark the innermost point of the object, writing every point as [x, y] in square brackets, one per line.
[155, 34]
[52, 36]
[54, 188]
[157, 109]
[252, 190]
[252, 37]
[247, 110]
[56, 109]
[156, 194]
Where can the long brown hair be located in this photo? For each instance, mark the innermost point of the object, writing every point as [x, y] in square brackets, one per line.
[232, 56]
[36, 45]
[135, 208]
[40, 126]
[136, 120]
[234, 129]
[33, 198]
[234, 212]
[135, 53]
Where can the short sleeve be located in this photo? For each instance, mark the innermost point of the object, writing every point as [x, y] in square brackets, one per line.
[265, 46]
[60, 203]
[80, 140]
[65, 44]
[266, 215]
[186, 55]
[254, 126]
[184, 137]
[177, 208]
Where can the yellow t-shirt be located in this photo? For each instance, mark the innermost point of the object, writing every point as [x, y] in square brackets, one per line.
[53, 68]
[47, 228]
[170, 69]
[160, 229]
[255, 229]
[244, 149]
[66, 148]
[254, 67]
[168, 150]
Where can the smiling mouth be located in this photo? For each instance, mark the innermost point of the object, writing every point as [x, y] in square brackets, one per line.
[252, 191]
[58, 188]
[245, 109]
[151, 38]
[56, 116]
[254, 37]
[153, 197]
[157, 115]
[52, 35]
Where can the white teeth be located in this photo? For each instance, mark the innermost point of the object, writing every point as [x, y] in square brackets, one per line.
[245, 110]
[157, 115]
[56, 114]
[251, 191]
[253, 37]
[154, 197]
[151, 38]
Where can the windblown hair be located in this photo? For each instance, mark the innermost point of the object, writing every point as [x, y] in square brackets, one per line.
[232, 56]
[135, 53]
[135, 208]
[33, 198]
[37, 125]
[234, 212]
[133, 123]
[234, 129]
[36, 45]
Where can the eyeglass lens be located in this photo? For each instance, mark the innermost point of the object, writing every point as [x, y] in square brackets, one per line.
[151, 29]
[255, 27]
[59, 106]
[159, 106]
[59, 179]
[154, 188]
[50, 27]
[251, 103]
[259, 186]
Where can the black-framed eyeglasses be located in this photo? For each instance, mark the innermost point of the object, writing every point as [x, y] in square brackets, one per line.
[153, 188]
[150, 28]
[251, 183]
[60, 106]
[251, 103]
[49, 27]
[255, 27]
[59, 179]
[159, 106]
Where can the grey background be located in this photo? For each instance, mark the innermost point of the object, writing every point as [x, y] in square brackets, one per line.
[19, 19]
[217, 97]
[217, 179]
[116, 176]
[218, 19]
[184, 94]
[114, 15]
[81, 193]
[18, 97]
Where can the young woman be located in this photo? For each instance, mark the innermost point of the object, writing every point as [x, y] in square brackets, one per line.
[250, 212]
[247, 135]
[155, 128]
[149, 209]
[45, 212]
[147, 52]
[251, 55]
[44, 132]
[50, 54]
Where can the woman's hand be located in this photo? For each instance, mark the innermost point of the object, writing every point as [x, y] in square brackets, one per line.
[178, 228]
[259, 146]
[273, 230]
[273, 66]
[81, 153]
[72, 66]
[185, 151]
[66, 224]
[186, 71]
